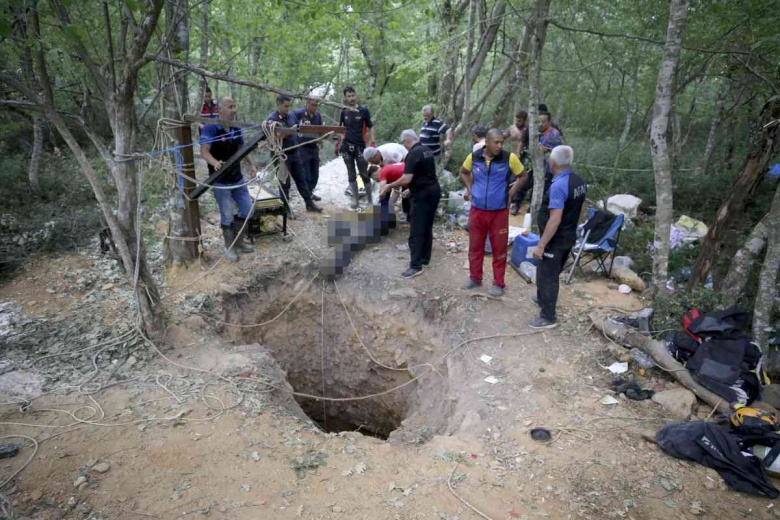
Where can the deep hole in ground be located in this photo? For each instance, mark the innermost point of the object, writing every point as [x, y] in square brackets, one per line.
[322, 355]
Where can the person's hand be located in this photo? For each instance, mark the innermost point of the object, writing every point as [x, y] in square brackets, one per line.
[252, 171]
[538, 253]
[217, 165]
[373, 144]
[384, 190]
[467, 195]
[447, 144]
[405, 194]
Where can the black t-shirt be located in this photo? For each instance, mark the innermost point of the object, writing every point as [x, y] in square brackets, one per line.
[356, 124]
[223, 144]
[420, 162]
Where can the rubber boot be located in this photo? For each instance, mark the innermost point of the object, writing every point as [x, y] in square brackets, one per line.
[369, 193]
[312, 206]
[355, 195]
[229, 234]
[241, 246]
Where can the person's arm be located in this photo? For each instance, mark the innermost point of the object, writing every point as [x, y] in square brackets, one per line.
[205, 152]
[465, 176]
[251, 165]
[371, 136]
[549, 231]
[339, 137]
[403, 181]
[518, 170]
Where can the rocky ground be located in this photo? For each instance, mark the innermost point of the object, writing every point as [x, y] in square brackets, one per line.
[205, 424]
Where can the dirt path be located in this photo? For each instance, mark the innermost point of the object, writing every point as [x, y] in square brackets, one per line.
[179, 442]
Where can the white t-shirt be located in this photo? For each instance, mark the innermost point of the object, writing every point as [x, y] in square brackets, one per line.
[478, 146]
[392, 153]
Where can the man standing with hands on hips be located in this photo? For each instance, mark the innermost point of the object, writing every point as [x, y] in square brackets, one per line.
[358, 123]
[419, 175]
[558, 218]
[492, 176]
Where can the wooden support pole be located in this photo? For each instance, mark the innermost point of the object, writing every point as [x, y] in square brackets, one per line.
[192, 210]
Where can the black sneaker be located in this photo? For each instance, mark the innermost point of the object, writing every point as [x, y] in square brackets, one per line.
[543, 323]
[315, 198]
[411, 273]
[311, 206]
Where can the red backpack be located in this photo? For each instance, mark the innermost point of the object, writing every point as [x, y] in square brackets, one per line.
[688, 319]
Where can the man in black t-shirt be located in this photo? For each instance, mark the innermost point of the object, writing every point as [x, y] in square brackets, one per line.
[420, 177]
[217, 145]
[358, 123]
[558, 218]
[285, 118]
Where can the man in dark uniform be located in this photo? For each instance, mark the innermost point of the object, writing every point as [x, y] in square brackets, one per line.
[358, 123]
[293, 163]
[310, 151]
[420, 177]
[218, 144]
[558, 218]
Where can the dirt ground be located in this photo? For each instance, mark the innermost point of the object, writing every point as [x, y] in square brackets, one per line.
[225, 439]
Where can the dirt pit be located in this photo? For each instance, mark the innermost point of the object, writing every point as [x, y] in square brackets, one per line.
[364, 361]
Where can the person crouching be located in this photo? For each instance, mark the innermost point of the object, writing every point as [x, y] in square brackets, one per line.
[492, 176]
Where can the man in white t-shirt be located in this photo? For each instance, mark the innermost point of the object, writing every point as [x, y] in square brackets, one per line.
[478, 135]
[389, 153]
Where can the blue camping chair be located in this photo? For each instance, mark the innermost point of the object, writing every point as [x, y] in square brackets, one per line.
[600, 250]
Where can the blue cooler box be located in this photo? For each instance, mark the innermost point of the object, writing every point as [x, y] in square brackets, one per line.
[523, 250]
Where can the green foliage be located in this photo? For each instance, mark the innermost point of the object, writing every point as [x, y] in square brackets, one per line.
[669, 308]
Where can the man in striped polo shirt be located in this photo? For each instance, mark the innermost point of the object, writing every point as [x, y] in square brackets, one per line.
[432, 131]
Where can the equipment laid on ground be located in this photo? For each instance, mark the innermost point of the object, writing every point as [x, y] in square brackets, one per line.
[523, 250]
[598, 238]
[267, 207]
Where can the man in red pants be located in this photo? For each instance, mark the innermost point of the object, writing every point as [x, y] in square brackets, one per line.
[492, 176]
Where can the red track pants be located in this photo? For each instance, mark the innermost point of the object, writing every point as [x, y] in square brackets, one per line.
[495, 224]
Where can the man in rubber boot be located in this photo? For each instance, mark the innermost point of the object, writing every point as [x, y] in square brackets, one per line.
[310, 147]
[285, 118]
[419, 176]
[358, 123]
[558, 217]
[218, 144]
[492, 176]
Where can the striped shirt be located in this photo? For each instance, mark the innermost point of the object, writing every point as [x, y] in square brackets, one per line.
[430, 134]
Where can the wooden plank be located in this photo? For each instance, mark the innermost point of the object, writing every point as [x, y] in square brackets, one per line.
[321, 129]
[192, 210]
[236, 158]
[303, 130]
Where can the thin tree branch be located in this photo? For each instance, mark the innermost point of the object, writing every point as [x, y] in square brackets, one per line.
[629, 36]
[239, 81]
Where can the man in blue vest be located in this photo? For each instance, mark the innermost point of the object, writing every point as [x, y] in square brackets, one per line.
[218, 144]
[558, 218]
[491, 176]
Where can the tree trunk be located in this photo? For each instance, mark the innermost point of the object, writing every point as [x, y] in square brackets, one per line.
[33, 170]
[664, 98]
[467, 70]
[204, 50]
[540, 14]
[767, 281]
[712, 138]
[452, 11]
[631, 101]
[517, 83]
[763, 147]
[177, 252]
[735, 281]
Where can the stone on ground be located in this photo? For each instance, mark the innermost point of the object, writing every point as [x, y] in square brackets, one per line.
[626, 276]
[624, 204]
[678, 402]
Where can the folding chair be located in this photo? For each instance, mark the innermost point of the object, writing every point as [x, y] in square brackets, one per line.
[601, 250]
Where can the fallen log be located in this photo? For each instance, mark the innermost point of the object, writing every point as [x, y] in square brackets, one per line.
[657, 350]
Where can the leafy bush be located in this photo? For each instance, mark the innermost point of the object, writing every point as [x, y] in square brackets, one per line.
[669, 308]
